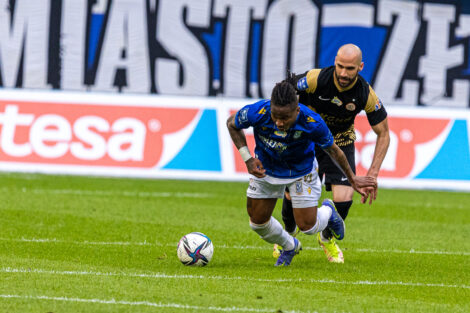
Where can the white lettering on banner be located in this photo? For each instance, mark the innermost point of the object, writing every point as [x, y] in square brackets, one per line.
[96, 143]
[400, 45]
[122, 138]
[439, 58]
[50, 128]
[73, 45]
[99, 7]
[125, 47]
[237, 39]
[24, 34]
[50, 136]
[351, 14]
[9, 120]
[191, 59]
[276, 38]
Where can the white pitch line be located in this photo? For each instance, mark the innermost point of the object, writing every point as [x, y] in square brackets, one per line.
[143, 303]
[223, 246]
[105, 193]
[283, 280]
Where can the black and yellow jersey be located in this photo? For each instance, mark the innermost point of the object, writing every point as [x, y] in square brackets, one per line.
[319, 90]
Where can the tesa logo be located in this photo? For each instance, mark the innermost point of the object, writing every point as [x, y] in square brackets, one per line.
[93, 135]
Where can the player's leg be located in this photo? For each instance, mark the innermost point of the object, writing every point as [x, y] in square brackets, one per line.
[340, 186]
[310, 218]
[336, 182]
[343, 198]
[261, 200]
[287, 212]
[289, 222]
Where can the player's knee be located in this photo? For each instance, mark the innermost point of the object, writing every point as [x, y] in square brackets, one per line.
[306, 224]
[260, 229]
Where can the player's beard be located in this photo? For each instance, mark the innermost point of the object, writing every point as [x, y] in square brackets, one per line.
[350, 80]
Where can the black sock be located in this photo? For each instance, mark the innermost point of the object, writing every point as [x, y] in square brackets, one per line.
[343, 208]
[288, 215]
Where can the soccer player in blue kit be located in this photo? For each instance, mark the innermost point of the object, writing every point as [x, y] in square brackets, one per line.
[285, 133]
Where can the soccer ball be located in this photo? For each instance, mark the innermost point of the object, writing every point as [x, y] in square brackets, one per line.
[195, 249]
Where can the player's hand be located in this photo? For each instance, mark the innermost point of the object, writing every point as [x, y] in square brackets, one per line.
[371, 193]
[365, 182]
[366, 186]
[255, 167]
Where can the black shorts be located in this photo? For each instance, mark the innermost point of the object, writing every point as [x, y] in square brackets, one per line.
[333, 174]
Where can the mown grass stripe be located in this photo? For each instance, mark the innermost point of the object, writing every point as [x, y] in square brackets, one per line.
[223, 246]
[142, 303]
[103, 193]
[288, 280]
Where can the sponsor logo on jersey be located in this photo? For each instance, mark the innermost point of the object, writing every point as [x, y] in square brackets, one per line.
[280, 133]
[277, 146]
[351, 106]
[337, 101]
[310, 119]
[302, 83]
[262, 111]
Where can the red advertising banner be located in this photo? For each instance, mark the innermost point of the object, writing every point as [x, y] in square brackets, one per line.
[86, 134]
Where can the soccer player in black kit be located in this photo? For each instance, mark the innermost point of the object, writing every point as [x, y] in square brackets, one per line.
[338, 93]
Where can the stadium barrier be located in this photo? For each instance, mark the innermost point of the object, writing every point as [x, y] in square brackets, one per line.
[186, 138]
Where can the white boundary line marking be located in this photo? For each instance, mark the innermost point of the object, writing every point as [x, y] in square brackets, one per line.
[124, 243]
[142, 303]
[103, 193]
[163, 275]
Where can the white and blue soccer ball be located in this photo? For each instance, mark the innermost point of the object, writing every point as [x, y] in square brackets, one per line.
[195, 249]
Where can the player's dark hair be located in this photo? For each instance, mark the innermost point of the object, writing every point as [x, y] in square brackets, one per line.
[283, 94]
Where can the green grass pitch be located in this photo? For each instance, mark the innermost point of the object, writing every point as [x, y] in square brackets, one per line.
[81, 244]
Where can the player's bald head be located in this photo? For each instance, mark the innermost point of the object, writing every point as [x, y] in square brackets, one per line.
[350, 52]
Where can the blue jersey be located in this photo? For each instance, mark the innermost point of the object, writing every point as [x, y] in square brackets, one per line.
[285, 154]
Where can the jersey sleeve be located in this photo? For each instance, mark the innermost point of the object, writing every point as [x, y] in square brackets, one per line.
[321, 135]
[375, 110]
[308, 83]
[249, 115]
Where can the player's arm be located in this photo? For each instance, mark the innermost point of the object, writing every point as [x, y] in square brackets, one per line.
[253, 165]
[381, 147]
[377, 117]
[324, 139]
[357, 182]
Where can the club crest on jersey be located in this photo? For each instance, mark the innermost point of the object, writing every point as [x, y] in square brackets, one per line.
[337, 101]
[297, 134]
[280, 133]
[350, 106]
[310, 119]
[262, 111]
[298, 187]
[378, 104]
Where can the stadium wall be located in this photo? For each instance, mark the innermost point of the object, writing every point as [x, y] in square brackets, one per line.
[172, 137]
[416, 53]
